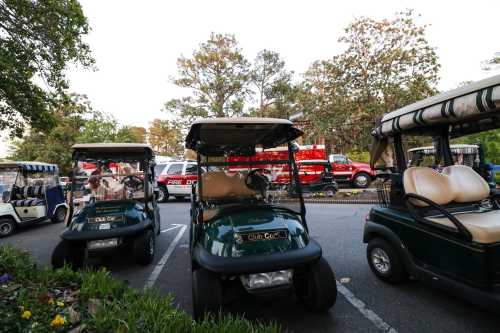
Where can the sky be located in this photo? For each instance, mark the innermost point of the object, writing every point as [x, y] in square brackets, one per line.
[136, 43]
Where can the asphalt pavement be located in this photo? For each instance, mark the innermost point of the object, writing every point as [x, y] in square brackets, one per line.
[364, 304]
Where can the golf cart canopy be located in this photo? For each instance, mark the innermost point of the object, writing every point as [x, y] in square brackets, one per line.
[219, 136]
[133, 151]
[466, 110]
[30, 166]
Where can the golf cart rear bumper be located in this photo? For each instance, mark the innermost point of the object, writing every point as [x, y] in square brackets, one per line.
[257, 263]
[84, 236]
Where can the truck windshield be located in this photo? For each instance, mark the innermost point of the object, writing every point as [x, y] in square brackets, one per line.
[7, 179]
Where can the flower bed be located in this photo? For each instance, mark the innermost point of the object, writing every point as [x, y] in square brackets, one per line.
[46, 300]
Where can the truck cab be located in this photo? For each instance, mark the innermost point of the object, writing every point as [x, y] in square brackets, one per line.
[356, 174]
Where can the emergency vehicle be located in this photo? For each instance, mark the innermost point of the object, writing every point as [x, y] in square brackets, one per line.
[176, 179]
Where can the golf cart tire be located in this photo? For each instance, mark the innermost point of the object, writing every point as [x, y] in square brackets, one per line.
[319, 289]
[164, 191]
[68, 254]
[144, 248]
[207, 293]
[7, 224]
[59, 215]
[329, 189]
[362, 174]
[397, 272]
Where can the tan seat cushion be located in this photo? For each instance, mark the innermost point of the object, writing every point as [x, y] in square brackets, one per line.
[458, 183]
[467, 184]
[220, 185]
[428, 183]
[484, 227]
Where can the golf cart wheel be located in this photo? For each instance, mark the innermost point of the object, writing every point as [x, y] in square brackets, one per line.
[60, 215]
[329, 191]
[318, 291]
[144, 248]
[68, 254]
[207, 293]
[385, 262]
[362, 180]
[7, 226]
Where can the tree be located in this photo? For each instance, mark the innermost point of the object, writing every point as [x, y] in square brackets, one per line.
[273, 84]
[217, 75]
[75, 122]
[387, 64]
[38, 38]
[165, 136]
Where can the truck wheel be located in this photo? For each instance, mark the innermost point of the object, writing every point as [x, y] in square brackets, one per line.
[7, 226]
[207, 293]
[163, 195]
[318, 291]
[68, 254]
[59, 215]
[329, 191]
[362, 180]
[144, 248]
[385, 262]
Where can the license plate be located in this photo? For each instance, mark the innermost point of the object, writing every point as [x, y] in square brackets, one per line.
[264, 235]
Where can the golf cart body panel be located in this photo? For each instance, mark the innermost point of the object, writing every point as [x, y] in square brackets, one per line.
[113, 202]
[443, 221]
[31, 192]
[248, 228]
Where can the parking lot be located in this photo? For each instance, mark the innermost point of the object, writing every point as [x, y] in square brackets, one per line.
[364, 303]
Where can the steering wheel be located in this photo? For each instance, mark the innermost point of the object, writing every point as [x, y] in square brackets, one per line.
[133, 182]
[257, 181]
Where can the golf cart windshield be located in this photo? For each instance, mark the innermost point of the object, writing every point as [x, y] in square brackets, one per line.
[7, 180]
[259, 179]
[107, 180]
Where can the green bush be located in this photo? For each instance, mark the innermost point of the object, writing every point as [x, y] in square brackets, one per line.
[359, 156]
[46, 300]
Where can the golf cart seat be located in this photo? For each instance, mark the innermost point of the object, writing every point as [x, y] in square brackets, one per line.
[219, 185]
[28, 202]
[456, 184]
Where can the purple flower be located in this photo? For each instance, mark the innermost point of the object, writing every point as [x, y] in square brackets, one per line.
[6, 278]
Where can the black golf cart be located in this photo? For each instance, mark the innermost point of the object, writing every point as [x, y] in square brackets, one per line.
[316, 176]
[112, 204]
[438, 224]
[246, 237]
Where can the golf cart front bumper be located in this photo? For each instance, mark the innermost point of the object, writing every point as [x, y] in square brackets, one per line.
[257, 263]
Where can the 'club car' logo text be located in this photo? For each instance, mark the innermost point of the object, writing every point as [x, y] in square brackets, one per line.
[267, 235]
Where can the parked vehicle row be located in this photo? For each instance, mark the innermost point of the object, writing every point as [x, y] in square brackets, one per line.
[438, 219]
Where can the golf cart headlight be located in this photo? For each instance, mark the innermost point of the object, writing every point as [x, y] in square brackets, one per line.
[265, 280]
[102, 244]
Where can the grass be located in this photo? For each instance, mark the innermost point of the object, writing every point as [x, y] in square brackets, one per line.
[46, 300]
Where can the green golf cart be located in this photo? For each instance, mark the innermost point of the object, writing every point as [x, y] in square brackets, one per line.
[112, 204]
[438, 224]
[246, 236]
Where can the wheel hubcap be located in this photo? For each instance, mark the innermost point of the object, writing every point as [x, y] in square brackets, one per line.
[361, 180]
[380, 260]
[5, 228]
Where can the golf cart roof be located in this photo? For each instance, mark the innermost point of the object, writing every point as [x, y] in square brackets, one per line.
[113, 150]
[455, 149]
[30, 166]
[217, 136]
[469, 109]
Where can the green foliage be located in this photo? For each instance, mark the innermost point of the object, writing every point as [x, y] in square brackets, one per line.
[217, 75]
[387, 64]
[75, 122]
[359, 156]
[166, 138]
[38, 39]
[102, 303]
